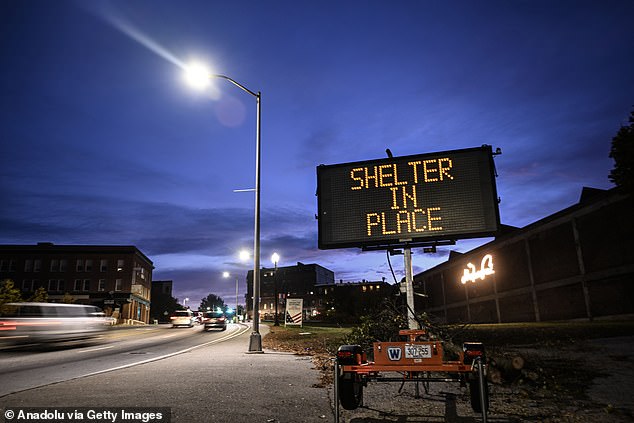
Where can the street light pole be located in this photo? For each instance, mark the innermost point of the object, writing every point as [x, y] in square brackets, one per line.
[255, 341]
[275, 258]
[198, 76]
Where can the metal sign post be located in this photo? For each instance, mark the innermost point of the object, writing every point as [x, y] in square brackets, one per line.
[409, 289]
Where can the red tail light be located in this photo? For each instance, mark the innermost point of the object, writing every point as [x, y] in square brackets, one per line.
[7, 326]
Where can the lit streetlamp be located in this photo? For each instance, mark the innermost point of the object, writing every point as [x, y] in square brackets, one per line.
[235, 314]
[198, 76]
[275, 258]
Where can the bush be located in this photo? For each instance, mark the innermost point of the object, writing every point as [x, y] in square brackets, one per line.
[385, 325]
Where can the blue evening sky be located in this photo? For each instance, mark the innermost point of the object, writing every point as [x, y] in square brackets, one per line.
[101, 142]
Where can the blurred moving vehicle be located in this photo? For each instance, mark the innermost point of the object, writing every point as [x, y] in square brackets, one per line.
[182, 318]
[35, 323]
[198, 317]
[214, 319]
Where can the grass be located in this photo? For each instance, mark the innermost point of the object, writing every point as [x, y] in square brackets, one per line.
[550, 333]
[310, 340]
[319, 339]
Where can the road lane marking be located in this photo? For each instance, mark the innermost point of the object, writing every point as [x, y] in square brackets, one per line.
[234, 334]
[95, 349]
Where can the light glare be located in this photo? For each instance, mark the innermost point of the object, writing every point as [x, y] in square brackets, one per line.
[244, 255]
[197, 76]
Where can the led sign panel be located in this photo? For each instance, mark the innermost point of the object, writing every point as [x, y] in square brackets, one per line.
[439, 196]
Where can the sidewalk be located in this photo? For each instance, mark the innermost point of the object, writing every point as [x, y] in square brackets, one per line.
[216, 384]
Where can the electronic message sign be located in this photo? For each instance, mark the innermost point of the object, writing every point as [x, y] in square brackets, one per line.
[407, 200]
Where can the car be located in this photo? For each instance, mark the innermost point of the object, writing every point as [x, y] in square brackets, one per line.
[39, 323]
[198, 317]
[182, 318]
[215, 319]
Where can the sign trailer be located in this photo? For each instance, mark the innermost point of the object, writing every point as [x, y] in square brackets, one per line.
[403, 202]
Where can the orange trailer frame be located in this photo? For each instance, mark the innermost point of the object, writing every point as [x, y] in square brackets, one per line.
[415, 359]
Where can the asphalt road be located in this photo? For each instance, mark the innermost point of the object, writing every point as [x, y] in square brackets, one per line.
[32, 366]
[201, 377]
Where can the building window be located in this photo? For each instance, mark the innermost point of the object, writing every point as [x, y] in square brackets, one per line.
[102, 285]
[103, 265]
[55, 285]
[28, 285]
[37, 265]
[7, 266]
[86, 285]
[118, 284]
[63, 265]
[28, 265]
[80, 265]
[77, 286]
[88, 266]
[54, 265]
[120, 264]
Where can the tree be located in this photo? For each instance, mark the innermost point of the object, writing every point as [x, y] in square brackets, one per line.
[622, 152]
[39, 296]
[163, 305]
[211, 302]
[9, 293]
[68, 299]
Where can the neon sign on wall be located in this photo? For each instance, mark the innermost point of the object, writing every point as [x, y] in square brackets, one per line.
[472, 273]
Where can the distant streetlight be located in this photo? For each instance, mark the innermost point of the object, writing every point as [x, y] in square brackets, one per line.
[226, 275]
[198, 76]
[275, 258]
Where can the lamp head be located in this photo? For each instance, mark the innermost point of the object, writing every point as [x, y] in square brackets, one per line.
[197, 76]
[275, 258]
[244, 255]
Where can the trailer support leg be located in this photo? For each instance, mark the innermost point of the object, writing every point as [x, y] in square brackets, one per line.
[482, 382]
[335, 390]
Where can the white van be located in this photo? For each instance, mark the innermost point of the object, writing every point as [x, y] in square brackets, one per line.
[26, 323]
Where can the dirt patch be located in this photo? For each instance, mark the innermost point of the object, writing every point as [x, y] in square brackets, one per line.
[572, 378]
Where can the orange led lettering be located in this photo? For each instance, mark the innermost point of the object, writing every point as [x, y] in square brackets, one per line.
[431, 219]
[403, 221]
[400, 221]
[427, 171]
[385, 231]
[394, 205]
[444, 170]
[415, 169]
[416, 228]
[372, 219]
[405, 195]
[411, 197]
[369, 176]
[396, 181]
[385, 175]
[356, 178]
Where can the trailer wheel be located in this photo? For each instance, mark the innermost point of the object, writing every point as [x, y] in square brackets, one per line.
[474, 393]
[350, 391]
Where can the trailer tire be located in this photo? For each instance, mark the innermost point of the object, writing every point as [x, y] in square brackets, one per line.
[474, 393]
[350, 391]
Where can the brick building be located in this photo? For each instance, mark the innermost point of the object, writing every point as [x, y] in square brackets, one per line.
[575, 264]
[297, 281]
[116, 278]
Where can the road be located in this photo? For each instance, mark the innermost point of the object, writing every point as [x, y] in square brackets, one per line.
[29, 367]
[198, 377]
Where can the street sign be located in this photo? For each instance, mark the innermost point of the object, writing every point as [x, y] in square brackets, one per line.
[441, 196]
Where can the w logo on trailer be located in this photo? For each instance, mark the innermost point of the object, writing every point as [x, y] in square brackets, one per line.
[394, 353]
